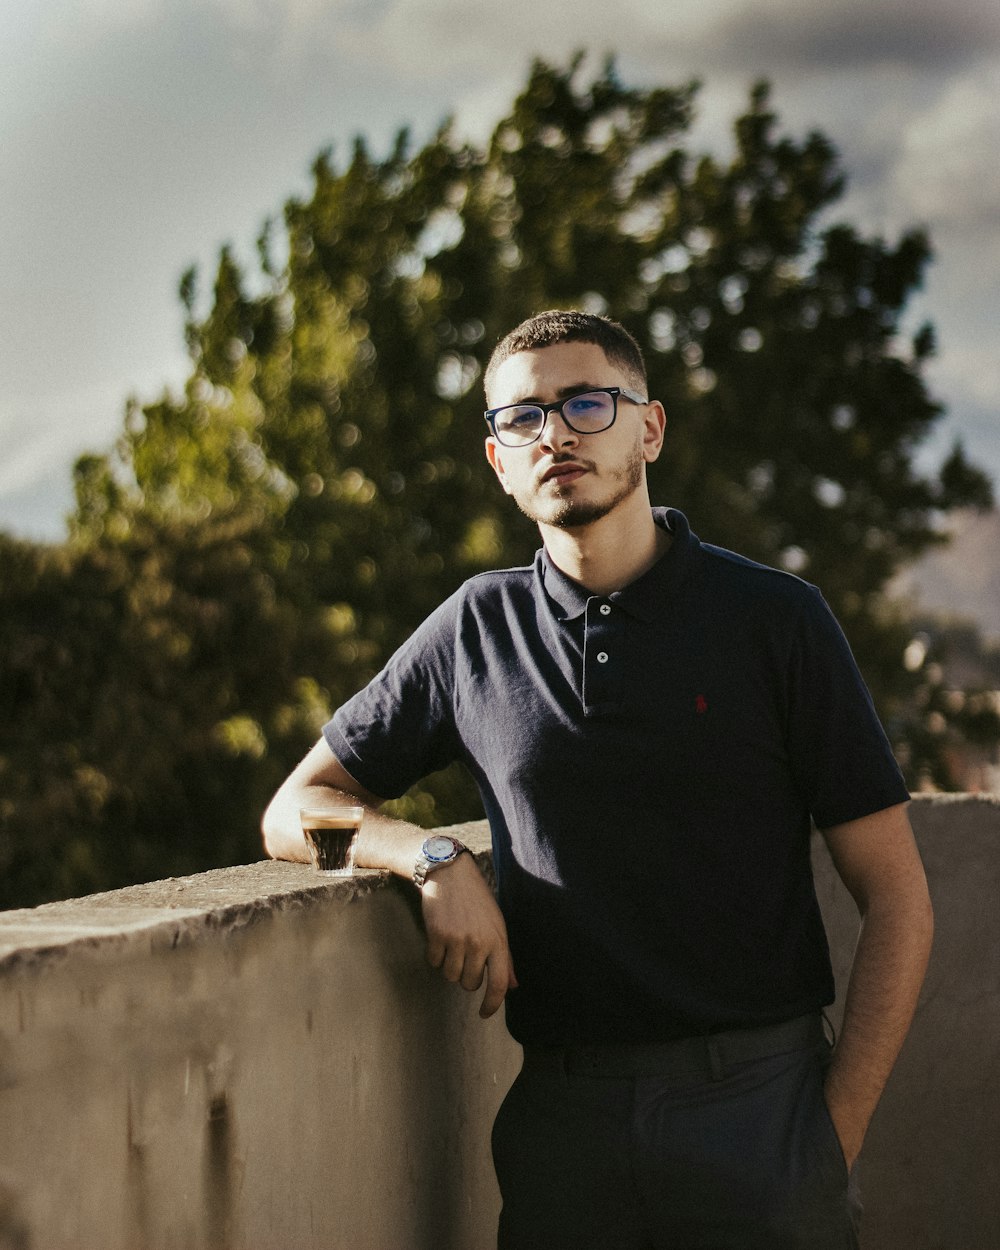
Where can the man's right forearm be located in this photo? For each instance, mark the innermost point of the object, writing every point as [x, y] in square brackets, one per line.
[320, 782]
[466, 934]
[282, 827]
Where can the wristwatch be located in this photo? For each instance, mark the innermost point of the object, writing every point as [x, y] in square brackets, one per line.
[438, 849]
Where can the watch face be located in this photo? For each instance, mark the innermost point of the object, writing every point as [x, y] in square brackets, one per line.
[439, 848]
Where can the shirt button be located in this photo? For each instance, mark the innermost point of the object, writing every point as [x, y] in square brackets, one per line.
[605, 609]
[602, 657]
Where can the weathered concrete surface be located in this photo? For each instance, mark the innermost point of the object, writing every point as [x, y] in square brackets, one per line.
[930, 1169]
[254, 1059]
[247, 1058]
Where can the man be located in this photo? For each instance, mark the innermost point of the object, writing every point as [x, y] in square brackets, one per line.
[653, 724]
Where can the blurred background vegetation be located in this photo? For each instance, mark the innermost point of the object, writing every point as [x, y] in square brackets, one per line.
[250, 552]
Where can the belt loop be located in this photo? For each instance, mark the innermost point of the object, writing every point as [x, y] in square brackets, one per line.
[714, 1058]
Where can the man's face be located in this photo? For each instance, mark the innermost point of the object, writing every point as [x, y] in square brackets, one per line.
[565, 479]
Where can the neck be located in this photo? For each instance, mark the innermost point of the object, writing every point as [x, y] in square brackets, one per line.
[611, 553]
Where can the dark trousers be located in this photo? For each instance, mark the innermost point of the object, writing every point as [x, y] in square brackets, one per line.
[718, 1143]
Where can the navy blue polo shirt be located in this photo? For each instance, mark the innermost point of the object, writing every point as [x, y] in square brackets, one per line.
[650, 762]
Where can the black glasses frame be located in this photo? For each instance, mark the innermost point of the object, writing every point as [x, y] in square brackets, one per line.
[633, 397]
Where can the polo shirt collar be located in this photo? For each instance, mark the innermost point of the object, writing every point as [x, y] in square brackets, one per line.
[647, 597]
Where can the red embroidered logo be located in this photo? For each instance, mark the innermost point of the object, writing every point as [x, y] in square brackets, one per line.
[701, 704]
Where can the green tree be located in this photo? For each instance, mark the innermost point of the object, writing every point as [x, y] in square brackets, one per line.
[276, 530]
[129, 749]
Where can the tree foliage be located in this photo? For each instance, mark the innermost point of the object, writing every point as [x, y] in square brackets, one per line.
[251, 550]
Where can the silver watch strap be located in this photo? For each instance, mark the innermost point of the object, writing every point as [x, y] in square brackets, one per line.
[424, 865]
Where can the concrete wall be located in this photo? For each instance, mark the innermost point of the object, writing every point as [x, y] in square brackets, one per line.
[247, 1058]
[253, 1059]
[930, 1169]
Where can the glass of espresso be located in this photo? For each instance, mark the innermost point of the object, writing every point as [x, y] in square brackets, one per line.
[330, 835]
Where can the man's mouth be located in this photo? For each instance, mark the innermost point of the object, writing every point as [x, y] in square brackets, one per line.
[567, 471]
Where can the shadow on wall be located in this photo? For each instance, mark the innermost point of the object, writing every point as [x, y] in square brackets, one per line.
[13, 1227]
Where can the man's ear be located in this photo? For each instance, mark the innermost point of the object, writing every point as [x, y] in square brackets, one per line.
[654, 425]
[494, 456]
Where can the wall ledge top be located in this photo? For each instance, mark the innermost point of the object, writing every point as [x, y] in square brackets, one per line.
[178, 910]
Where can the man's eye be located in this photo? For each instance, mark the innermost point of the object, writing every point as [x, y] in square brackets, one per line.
[518, 419]
[580, 405]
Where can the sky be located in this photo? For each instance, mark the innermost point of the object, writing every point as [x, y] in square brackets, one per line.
[139, 136]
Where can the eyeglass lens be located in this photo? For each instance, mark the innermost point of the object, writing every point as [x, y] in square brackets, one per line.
[585, 414]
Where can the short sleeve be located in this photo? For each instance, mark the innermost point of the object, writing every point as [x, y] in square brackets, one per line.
[841, 757]
[401, 726]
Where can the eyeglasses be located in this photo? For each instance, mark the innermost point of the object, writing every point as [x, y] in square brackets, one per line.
[519, 425]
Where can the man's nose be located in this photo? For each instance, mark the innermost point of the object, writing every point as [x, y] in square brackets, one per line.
[556, 433]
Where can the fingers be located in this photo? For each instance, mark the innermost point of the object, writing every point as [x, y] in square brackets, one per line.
[469, 964]
[461, 964]
[471, 969]
[461, 961]
[499, 979]
[436, 949]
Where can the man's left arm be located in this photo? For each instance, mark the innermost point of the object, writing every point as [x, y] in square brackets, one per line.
[878, 861]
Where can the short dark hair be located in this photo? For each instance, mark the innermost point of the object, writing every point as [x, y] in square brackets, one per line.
[545, 329]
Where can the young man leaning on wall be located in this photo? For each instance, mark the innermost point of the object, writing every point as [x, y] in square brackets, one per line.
[654, 725]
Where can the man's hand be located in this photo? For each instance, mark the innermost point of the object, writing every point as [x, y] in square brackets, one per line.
[466, 934]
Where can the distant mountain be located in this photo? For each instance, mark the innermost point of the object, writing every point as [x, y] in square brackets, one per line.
[962, 579]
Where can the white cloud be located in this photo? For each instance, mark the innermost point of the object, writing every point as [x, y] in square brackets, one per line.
[427, 39]
[72, 25]
[947, 169]
[477, 110]
[31, 458]
[969, 372]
